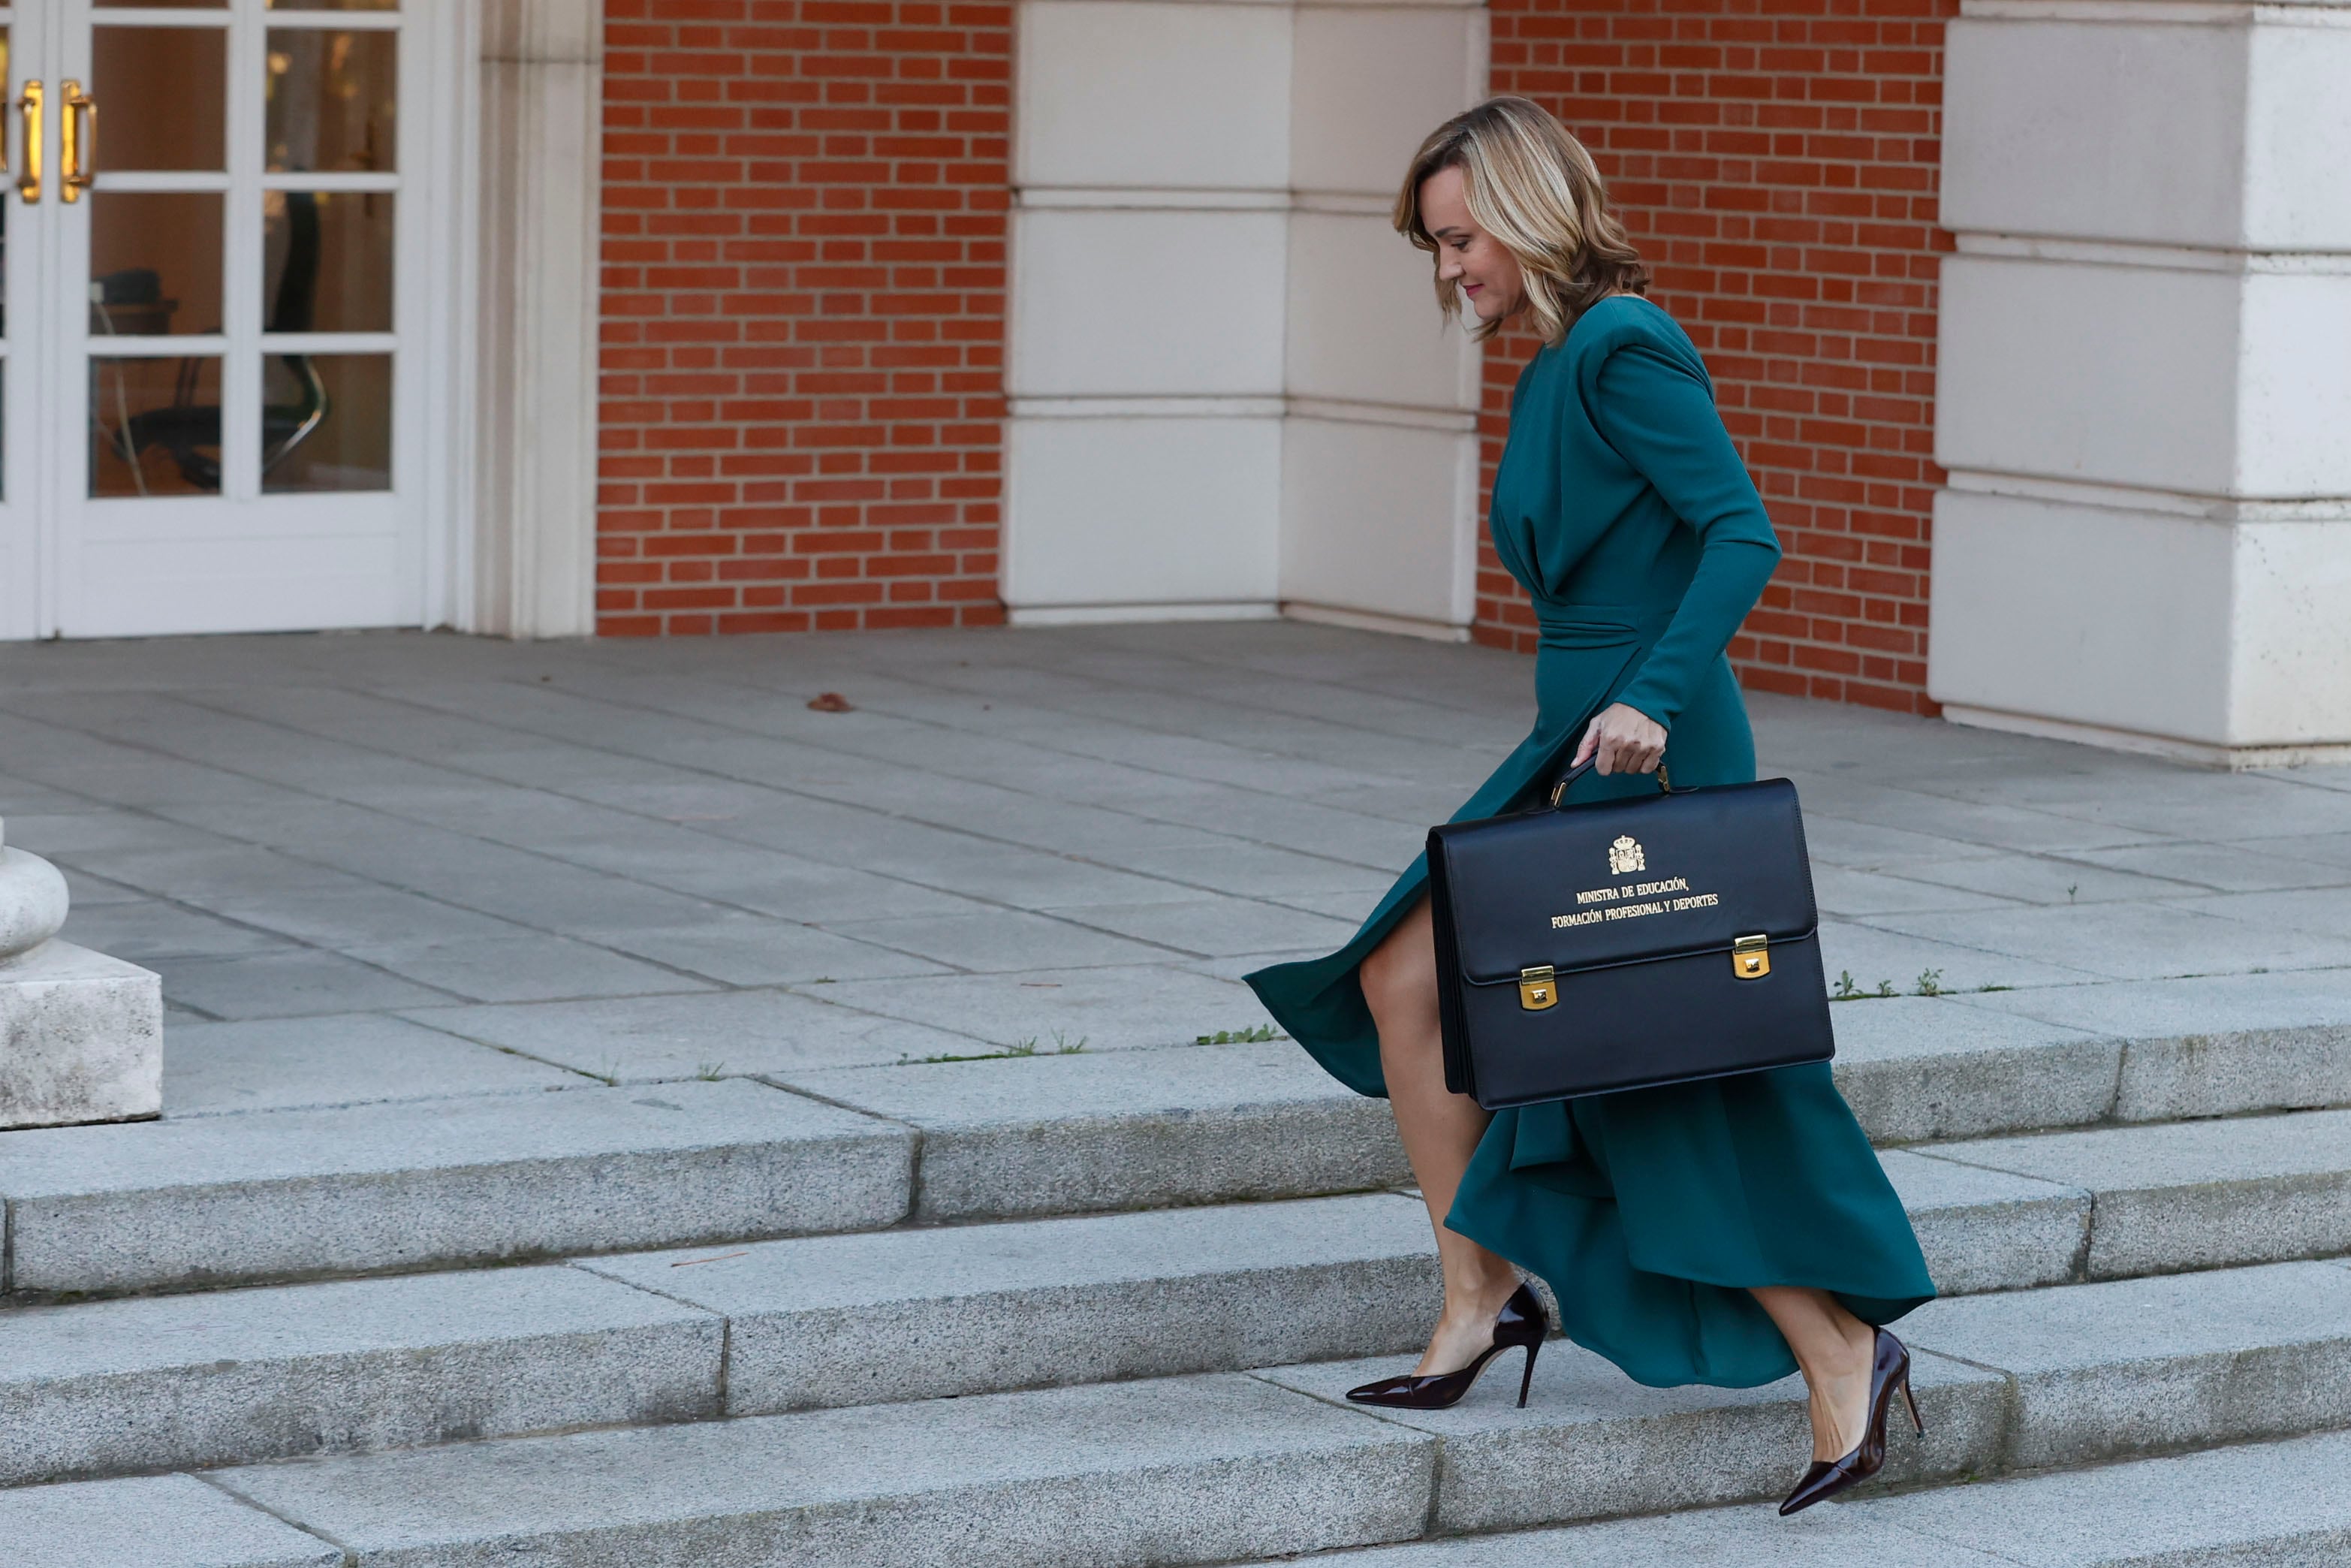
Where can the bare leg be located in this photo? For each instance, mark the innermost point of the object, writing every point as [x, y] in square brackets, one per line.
[1836, 1350]
[1440, 1131]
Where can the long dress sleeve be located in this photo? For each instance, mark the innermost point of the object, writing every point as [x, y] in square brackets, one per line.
[1659, 414]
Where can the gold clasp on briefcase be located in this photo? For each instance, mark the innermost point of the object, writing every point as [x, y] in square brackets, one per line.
[1537, 989]
[1750, 957]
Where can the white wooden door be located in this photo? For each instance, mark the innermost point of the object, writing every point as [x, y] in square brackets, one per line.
[215, 394]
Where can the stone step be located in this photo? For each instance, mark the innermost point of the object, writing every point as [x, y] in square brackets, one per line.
[2252, 1505]
[296, 1194]
[289, 1194]
[1214, 1468]
[2064, 1375]
[2187, 1195]
[163, 1381]
[203, 1378]
[920, 1313]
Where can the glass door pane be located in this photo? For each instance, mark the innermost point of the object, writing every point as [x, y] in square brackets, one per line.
[158, 257]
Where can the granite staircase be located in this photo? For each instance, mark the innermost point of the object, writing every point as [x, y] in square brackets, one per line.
[1100, 1308]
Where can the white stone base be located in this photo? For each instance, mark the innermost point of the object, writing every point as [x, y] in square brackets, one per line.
[1107, 614]
[81, 1039]
[1372, 620]
[2234, 758]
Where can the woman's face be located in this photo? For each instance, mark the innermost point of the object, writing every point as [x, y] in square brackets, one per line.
[1472, 259]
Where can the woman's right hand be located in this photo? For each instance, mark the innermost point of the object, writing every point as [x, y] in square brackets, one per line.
[1624, 739]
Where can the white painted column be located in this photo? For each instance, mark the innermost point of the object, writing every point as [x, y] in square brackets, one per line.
[2144, 393]
[1231, 394]
[533, 560]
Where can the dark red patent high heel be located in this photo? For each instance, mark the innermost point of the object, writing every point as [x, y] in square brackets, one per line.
[1520, 1322]
[1890, 1370]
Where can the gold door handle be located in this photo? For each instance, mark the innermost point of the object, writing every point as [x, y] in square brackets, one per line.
[76, 140]
[28, 184]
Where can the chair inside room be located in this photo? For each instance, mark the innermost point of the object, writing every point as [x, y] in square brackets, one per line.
[189, 432]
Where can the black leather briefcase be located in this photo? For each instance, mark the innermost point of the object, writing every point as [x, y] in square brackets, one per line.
[1627, 943]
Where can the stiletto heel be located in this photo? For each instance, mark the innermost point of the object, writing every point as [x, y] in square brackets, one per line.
[1520, 1322]
[1889, 1369]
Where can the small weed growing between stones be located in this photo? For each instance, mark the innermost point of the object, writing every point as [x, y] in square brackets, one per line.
[1995, 987]
[710, 1072]
[1847, 991]
[1263, 1031]
[1063, 1046]
[1930, 983]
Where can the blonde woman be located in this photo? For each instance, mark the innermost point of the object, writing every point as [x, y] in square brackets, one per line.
[1729, 1231]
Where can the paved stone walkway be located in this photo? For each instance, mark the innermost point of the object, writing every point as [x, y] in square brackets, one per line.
[388, 865]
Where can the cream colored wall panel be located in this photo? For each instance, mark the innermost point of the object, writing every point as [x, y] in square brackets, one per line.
[2293, 667]
[1379, 519]
[2095, 130]
[1364, 322]
[2297, 191]
[1120, 94]
[2113, 618]
[1369, 84]
[1141, 511]
[2124, 375]
[1126, 303]
[2294, 397]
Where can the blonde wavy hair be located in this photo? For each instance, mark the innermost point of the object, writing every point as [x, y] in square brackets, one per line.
[1533, 187]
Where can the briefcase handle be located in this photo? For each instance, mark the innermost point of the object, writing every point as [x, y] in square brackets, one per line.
[1665, 784]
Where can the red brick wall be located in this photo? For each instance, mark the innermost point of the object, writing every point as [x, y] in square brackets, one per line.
[1777, 163]
[803, 288]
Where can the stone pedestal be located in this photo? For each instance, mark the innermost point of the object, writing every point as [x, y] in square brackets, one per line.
[2143, 389]
[81, 1034]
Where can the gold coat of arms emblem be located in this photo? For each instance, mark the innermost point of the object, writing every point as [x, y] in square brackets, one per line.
[1625, 855]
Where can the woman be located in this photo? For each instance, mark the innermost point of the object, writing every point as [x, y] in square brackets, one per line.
[1727, 1231]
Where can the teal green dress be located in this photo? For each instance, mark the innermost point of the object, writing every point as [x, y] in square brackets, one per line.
[1623, 509]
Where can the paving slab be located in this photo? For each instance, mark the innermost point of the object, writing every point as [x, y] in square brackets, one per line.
[972, 1309]
[2194, 1195]
[288, 983]
[2228, 868]
[2212, 1046]
[1186, 1470]
[1223, 927]
[643, 1040]
[347, 1059]
[154, 1521]
[110, 1388]
[1926, 1067]
[1112, 1007]
[743, 949]
[1875, 952]
[145, 929]
[2104, 1371]
[1988, 1229]
[2255, 1505]
[2123, 941]
[1592, 1444]
[533, 967]
[285, 1193]
[1130, 1129]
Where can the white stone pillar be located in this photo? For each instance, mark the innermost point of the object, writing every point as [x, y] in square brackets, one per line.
[2144, 392]
[1230, 394]
[81, 1035]
[540, 168]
